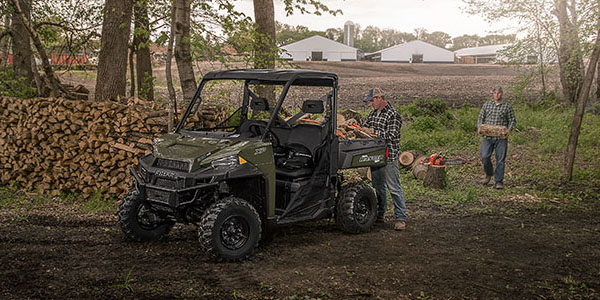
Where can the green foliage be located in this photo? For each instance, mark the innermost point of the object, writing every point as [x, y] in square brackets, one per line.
[424, 123]
[287, 34]
[432, 107]
[15, 87]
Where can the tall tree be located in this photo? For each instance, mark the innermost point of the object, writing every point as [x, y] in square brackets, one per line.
[438, 38]
[581, 103]
[112, 62]
[569, 52]
[53, 82]
[264, 16]
[141, 43]
[183, 53]
[170, 88]
[465, 41]
[21, 48]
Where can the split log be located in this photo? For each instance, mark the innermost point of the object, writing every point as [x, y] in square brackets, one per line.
[435, 177]
[493, 131]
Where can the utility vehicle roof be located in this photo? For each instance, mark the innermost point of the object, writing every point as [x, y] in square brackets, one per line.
[275, 76]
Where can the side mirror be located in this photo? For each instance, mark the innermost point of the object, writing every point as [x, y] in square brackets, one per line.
[259, 104]
[313, 107]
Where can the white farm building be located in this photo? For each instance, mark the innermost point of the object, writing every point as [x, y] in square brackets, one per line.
[481, 55]
[413, 52]
[318, 48]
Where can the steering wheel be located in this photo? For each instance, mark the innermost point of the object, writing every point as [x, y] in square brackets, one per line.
[272, 137]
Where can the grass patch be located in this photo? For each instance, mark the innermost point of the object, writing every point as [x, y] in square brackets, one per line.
[99, 202]
[534, 162]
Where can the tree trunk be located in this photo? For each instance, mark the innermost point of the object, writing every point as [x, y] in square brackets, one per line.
[141, 41]
[131, 70]
[265, 49]
[22, 54]
[172, 95]
[183, 53]
[598, 84]
[111, 80]
[5, 40]
[53, 80]
[578, 117]
[569, 53]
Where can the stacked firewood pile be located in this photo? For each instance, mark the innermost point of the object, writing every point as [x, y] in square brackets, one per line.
[55, 145]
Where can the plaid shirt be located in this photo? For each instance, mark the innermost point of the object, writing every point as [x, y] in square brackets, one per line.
[497, 114]
[387, 126]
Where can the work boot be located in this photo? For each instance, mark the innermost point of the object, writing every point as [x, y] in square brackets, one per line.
[485, 180]
[499, 186]
[400, 225]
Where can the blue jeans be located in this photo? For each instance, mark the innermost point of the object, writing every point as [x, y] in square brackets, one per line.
[386, 178]
[500, 146]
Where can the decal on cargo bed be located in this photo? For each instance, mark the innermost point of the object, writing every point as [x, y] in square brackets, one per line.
[373, 158]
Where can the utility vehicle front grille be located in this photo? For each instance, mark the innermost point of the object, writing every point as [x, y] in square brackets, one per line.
[172, 164]
[158, 195]
[166, 183]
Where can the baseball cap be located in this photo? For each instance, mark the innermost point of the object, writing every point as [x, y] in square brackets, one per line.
[498, 88]
[374, 92]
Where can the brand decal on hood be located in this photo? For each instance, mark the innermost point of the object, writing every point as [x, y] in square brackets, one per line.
[259, 151]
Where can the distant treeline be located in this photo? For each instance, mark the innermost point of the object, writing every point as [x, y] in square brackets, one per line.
[373, 39]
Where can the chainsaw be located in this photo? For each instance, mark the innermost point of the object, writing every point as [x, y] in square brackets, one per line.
[440, 160]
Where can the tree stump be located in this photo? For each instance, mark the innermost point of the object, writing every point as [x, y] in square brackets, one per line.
[435, 177]
[418, 169]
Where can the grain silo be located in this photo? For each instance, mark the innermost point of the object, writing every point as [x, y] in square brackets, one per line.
[349, 34]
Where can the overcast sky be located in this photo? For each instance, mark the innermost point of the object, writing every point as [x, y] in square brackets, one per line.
[401, 15]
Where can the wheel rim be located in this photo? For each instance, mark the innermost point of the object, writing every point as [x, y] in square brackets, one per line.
[235, 232]
[362, 210]
[146, 219]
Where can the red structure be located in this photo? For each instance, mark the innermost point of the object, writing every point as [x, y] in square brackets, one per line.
[10, 58]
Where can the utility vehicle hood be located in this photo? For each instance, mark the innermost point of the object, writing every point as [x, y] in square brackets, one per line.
[194, 150]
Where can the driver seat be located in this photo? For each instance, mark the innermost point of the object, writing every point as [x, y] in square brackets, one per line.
[302, 146]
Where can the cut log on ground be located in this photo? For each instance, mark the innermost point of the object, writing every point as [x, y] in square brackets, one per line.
[435, 177]
[407, 158]
[417, 168]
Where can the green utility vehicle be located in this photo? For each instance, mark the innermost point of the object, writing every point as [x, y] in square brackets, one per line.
[240, 179]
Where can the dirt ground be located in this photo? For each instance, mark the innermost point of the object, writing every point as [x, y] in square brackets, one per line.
[57, 251]
[400, 82]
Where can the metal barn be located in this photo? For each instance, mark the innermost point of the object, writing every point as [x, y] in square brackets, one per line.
[413, 52]
[318, 48]
[480, 55]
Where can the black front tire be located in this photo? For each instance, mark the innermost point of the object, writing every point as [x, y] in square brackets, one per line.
[230, 230]
[356, 208]
[138, 222]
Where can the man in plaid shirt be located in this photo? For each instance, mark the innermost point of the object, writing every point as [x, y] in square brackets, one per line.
[500, 113]
[385, 122]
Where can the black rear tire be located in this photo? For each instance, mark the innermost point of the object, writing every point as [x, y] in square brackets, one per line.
[230, 230]
[138, 222]
[356, 208]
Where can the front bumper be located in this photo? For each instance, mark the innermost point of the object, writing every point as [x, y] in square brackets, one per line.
[173, 197]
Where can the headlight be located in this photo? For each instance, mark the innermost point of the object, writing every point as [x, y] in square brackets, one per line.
[143, 172]
[228, 162]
